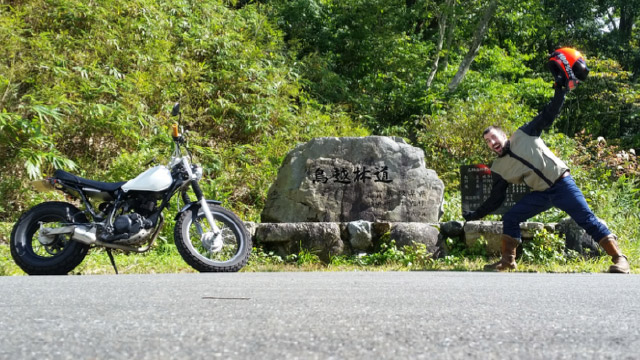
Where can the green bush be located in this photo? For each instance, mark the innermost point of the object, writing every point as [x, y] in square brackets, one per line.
[545, 248]
[88, 87]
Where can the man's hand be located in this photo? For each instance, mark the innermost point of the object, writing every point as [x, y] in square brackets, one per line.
[569, 84]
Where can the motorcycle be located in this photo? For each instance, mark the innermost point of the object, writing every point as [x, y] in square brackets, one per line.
[52, 238]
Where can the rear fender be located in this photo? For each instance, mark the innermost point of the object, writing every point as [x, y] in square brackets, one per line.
[43, 185]
[52, 184]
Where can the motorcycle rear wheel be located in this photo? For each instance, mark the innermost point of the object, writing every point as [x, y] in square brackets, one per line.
[57, 258]
[236, 241]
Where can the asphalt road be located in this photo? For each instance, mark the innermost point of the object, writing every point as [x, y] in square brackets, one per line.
[418, 315]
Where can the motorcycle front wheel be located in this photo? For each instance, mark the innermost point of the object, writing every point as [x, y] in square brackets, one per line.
[196, 249]
[57, 257]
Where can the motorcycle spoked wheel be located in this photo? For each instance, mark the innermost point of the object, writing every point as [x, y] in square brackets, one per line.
[236, 241]
[57, 258]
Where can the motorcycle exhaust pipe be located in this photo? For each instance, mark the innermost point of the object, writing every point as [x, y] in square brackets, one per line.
[83, 234]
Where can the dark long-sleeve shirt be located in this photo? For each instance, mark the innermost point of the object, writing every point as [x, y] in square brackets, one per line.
[546, 117]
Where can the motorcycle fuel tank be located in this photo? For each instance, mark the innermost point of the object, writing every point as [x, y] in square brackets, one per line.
[158, 178]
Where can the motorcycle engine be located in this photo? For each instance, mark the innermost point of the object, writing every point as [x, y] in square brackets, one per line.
[130, 229]
[136, 222]
[130, 224]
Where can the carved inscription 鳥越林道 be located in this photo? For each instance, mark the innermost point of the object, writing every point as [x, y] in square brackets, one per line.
[342, 175]
[332, 179]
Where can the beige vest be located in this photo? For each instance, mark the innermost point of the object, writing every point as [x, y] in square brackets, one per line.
[530, 162]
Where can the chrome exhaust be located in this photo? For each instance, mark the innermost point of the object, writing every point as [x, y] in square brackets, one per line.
[84, 235]
[80, 233]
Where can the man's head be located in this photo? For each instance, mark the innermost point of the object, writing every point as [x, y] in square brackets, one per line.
[495, 138]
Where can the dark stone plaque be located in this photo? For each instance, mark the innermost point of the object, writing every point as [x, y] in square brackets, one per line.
[475, 187]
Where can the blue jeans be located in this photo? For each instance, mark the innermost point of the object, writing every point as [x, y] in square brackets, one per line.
[566, 196]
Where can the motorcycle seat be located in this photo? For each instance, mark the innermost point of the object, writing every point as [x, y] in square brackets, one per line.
[98, 185]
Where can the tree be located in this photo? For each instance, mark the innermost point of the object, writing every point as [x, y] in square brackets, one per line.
[442, 31]
[481, 29]
[628, 12]
[451, 26]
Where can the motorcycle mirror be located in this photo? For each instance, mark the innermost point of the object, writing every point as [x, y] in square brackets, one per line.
[176, 110]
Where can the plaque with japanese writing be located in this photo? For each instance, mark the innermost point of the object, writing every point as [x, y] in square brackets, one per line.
[475, 186]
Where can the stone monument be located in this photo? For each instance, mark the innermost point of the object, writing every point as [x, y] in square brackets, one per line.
[374, 178]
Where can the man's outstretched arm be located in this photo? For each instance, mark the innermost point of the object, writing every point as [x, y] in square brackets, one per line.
[548, 114]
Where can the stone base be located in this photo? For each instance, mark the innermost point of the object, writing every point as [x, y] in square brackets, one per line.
[327, 239]
[332, 239]
[492, 231]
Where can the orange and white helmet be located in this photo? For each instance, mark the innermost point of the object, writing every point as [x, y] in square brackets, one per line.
[568, 66]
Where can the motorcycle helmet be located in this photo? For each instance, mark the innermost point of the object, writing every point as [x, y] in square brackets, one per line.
[568, 66]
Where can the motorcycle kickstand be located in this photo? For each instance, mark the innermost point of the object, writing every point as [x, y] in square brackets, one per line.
[113, 262]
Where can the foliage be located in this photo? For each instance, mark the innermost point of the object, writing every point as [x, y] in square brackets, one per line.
[87, 87]
[388, 253]
[452, 206]
[545, 248]
[456, 248]
[259, 257]
[359, 53]
[607, 105]
[304, 257]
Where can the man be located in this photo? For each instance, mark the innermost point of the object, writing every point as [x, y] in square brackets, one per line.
[524, 158]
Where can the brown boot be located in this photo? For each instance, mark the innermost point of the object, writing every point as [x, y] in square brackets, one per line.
[508, 260]
[620, 262]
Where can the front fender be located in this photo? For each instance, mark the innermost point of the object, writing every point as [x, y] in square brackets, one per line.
[195, 205]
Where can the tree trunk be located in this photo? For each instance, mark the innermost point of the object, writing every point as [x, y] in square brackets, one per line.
[451, 29]
[483, 25]
[627, 18]
[442, 29]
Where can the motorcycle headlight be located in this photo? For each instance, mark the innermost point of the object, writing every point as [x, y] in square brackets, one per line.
[197, 171]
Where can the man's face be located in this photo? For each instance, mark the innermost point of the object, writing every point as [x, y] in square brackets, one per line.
[496, 140]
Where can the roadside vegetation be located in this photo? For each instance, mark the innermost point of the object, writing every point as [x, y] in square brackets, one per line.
[545, 253]
[88, 87]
